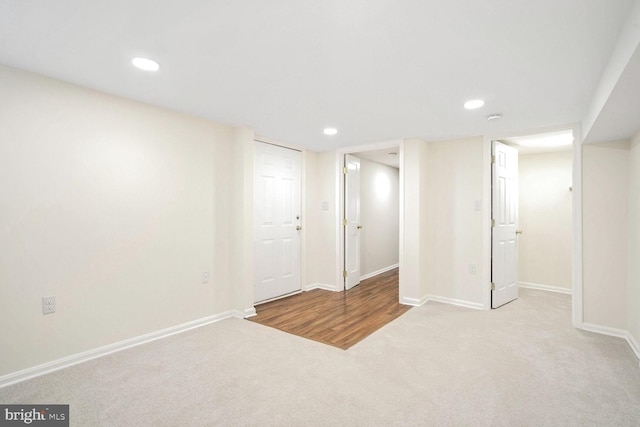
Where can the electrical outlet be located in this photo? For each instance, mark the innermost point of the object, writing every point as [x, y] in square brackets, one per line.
[48, 305]
[472, 269]
[205, 277]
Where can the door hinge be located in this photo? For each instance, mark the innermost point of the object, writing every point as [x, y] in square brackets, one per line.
[344, 170]
[493, 222]
[493, 286]
[493, 159]
[345, 222]
[344, 273]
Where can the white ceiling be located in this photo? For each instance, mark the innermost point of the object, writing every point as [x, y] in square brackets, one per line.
[375, 69]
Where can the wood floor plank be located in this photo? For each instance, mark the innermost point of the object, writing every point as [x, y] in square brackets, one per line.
[340, 319]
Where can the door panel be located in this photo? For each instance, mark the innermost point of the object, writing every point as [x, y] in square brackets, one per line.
[277, 213]
[504, 212]
[352, 226]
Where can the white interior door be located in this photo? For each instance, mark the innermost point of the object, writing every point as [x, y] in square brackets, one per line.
[352, 221]
[277, 201]
[504, 214]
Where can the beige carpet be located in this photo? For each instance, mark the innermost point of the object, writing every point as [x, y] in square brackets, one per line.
[437, 365]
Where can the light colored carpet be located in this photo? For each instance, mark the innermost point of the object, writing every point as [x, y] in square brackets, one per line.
[437, 365]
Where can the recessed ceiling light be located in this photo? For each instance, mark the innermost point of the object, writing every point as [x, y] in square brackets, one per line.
[473, 104]
[330, 131]
[496, 116]
[145, 64]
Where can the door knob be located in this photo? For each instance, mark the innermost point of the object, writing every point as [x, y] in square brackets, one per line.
[298, 228]
[519, 231]
[359, 227]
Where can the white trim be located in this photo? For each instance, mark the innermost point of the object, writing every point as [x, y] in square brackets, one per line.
[382, 270]
[614, 332]
[605, 330]
[323, 286]
[444, 300]
[401, 262]
[338, 216]
[633, 344]
[549, 288]
[95, 353]
[457, 302]
[303, 219]
[486, 221]
[248, 312]
[414, 301]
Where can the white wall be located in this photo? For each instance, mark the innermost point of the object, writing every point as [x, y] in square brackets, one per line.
[239, 215]
[633, 289]
[117, 207]
[605, 170]
[414, 257]
[379, 214]
[456, 230]
[114, 207]
[311, 212]
[326, 248]
[443, 232]
[545, 216]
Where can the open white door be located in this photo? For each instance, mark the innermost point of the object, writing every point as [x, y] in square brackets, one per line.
[504, 214]
[277, 201]
[352, 221]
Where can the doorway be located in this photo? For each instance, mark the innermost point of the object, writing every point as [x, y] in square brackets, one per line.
[376, 232]
[545, 210]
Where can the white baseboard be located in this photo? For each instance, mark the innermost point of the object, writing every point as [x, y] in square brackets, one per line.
[445, 300]
[415, 302]
[323, 286]
[605, 330]
[334, 288]
[248, 312]
[634, 345]
[458, 302]
[549, 288]
[76, 359]
[614, 332]
[382, 270]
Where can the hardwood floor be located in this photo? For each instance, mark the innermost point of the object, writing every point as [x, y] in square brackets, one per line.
[340, 319]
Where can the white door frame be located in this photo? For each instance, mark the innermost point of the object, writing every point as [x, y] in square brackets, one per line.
[577, 283]
[339, 163]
